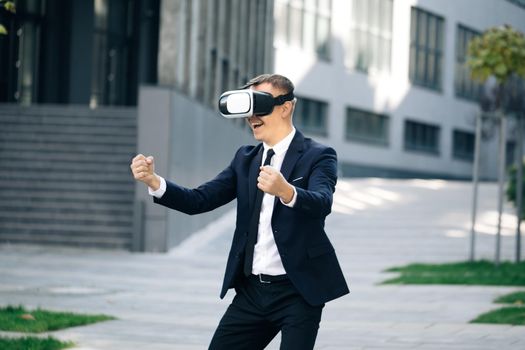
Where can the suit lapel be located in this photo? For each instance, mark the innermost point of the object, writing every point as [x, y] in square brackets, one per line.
[293, 154]
[253, 174]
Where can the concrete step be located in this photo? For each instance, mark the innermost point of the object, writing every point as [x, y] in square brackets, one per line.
[67, 218]
[65, 176]
[66, 147]
[102, 160]
[94, 130]
[80, 120]
[73, 166]
[79, 229]
[63, 205]
[69, 111]
[65, 238]
[7, 194]
[127, 187]
[78, 138]
[92, 177]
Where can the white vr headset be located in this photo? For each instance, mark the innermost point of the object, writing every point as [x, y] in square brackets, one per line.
[247, 103]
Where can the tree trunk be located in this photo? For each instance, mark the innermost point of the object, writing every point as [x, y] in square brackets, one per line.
[501, 180]
[519, 184]
[475, 181]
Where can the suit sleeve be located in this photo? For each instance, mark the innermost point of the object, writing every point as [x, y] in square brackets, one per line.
[208, 196]
[316, 200]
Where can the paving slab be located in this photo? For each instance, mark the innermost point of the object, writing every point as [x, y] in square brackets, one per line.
[170, 301]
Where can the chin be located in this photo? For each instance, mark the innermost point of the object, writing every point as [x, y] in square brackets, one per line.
[257, 136]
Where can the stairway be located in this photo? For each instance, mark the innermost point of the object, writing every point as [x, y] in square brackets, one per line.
[65, 177]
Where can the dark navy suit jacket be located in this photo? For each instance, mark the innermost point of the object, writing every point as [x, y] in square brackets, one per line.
[306, 252]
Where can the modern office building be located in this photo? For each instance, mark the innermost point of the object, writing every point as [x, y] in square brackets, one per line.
[72, 114]
[385, 81]
[86, 84]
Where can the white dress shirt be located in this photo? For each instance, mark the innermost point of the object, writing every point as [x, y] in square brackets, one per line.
[266, 258]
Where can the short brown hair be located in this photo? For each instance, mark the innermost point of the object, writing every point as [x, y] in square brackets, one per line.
[276, 80]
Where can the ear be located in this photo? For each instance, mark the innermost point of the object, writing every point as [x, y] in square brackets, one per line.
[287, 109]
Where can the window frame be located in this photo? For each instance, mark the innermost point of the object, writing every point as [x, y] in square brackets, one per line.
[461, 155]
[413, 146]
[460, 66]
[377, 38]
[368, 139]
[322, 112]
[305, 9]
[420, 49]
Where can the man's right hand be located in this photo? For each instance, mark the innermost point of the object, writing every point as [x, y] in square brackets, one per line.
[143, 169]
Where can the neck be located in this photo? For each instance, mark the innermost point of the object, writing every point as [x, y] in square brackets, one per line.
[279, 135]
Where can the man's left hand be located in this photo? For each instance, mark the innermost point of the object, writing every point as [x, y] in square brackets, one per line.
[271, 181]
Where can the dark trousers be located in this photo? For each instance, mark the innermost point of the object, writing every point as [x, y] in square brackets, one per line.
[260, 310]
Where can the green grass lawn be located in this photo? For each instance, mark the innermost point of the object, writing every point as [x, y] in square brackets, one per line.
[514, 315]
[467, 273]
[505, 315]
[18, 319]
[517, 298]
[483, 273]
[33, 343]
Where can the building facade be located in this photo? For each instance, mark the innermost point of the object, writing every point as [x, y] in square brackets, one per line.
[85, 52]
[86, 80]
[382, 81]
[385, 81]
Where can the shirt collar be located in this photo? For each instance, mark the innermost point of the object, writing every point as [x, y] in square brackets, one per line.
[282, 146]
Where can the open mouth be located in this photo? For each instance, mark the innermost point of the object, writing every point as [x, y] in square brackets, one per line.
[256, 124]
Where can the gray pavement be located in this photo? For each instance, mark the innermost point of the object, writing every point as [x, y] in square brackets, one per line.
[170, 301]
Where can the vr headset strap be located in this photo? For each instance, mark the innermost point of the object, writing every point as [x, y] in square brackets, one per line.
[279, 100]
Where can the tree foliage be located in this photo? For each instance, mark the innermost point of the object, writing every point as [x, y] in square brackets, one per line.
[8, 6]
[499, 52]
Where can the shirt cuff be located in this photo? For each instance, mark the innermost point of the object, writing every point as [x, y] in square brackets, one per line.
[161, 190]
[294, 199]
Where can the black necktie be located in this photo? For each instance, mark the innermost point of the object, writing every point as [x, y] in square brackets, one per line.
[254, 223]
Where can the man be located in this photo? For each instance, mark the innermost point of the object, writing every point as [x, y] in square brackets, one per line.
[281, 263]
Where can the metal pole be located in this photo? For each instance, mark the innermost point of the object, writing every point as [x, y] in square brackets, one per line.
[475, 181]
[519, 185]
[501, 180]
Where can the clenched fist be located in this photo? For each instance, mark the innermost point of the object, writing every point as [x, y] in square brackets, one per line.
[271, 181]
[143, 169]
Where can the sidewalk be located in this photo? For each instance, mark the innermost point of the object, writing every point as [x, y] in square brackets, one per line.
[171, 301]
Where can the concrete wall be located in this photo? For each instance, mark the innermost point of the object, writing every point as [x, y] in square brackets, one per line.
[191, 144]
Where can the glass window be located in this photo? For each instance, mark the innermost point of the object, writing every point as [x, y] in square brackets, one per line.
[421, 137]
[304, 24]
[371, 35]
[281, 21]
[367, 127]
[311, 116]
[20, 51]
[426, 48]
[295, 23]
[464, 86]
[309, 30]
[463, 145]
[323, 37]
